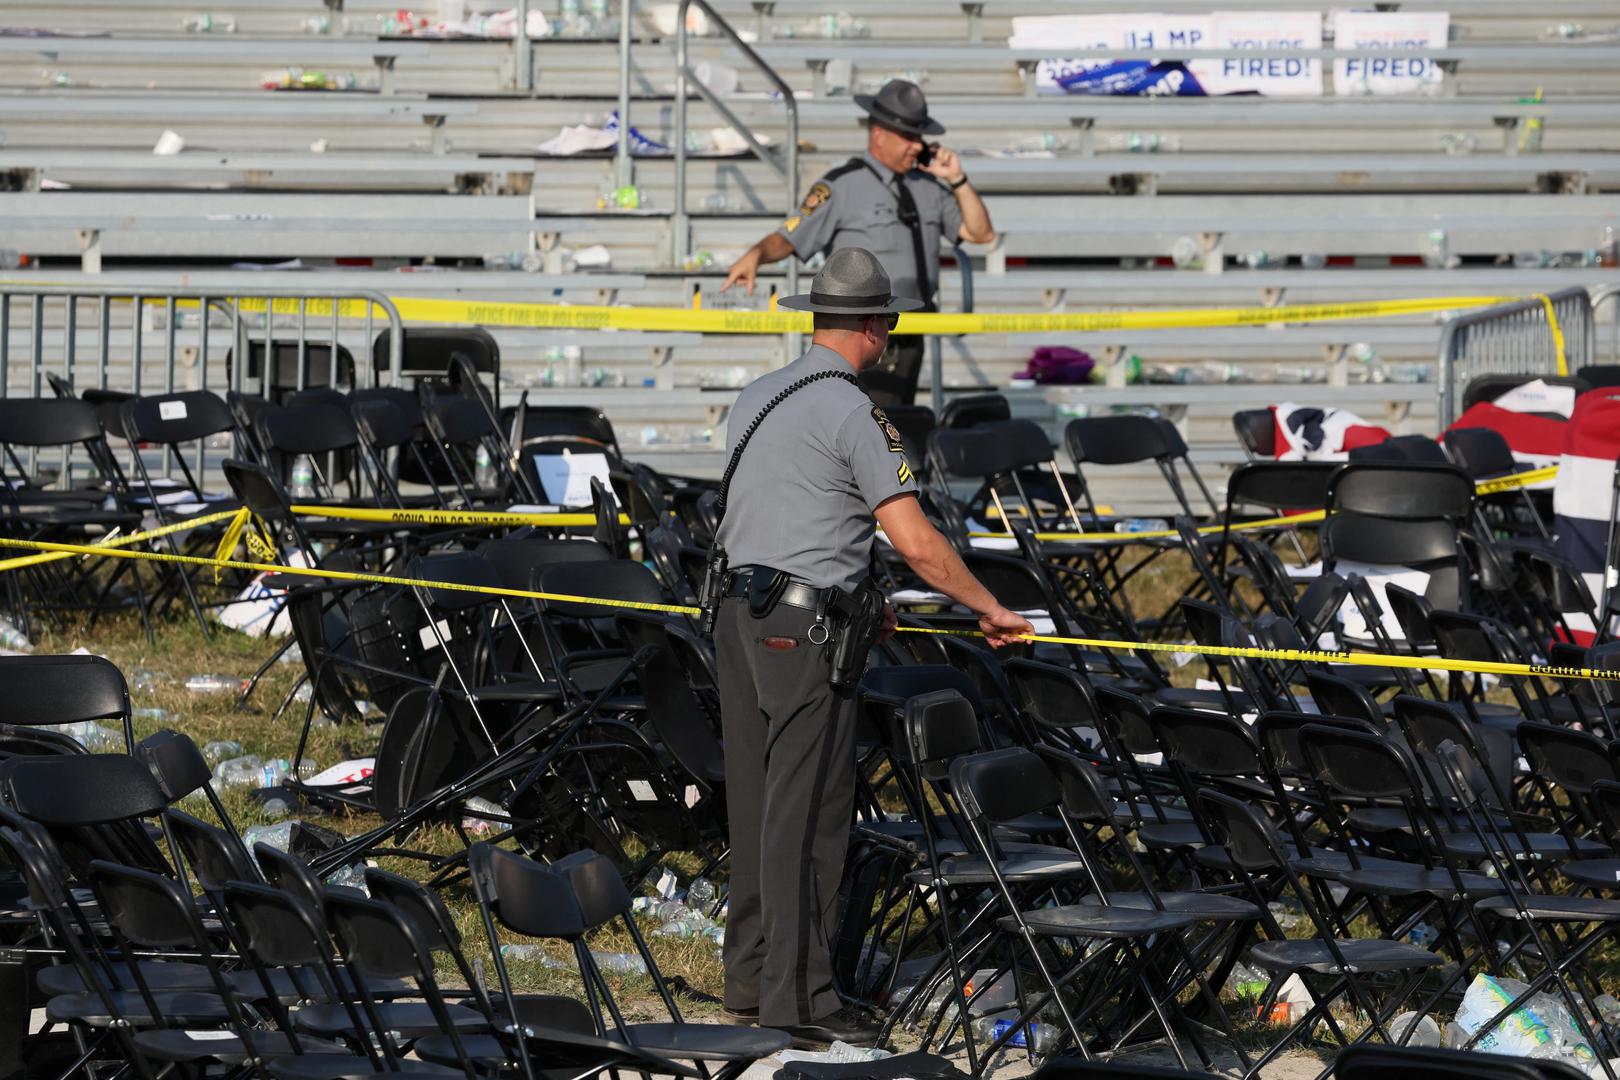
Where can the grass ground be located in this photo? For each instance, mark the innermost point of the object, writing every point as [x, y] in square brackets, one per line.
[157, 670]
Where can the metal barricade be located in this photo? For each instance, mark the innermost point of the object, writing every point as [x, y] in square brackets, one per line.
[1513, 338]
[151, 341]
[1608, 339]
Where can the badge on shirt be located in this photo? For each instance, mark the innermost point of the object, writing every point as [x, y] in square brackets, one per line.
[891, 434]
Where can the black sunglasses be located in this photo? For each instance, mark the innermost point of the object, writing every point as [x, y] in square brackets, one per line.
[892, 317]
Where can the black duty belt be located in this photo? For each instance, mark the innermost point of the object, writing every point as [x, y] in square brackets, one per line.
[797, 594]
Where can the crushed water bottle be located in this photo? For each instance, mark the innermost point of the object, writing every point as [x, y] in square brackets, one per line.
[278, 836]
[700, 894]
[619, 962]
[1037, 1036]
[237, 771]
[221, 750]
[302, 485]
[1140, 525]
[160, 717]
[92, 736]
[147, 679]
[352, 876]
[213, 684]
[12, 637]
[477, 824]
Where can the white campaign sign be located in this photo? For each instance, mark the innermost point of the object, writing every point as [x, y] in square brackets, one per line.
[1273, 76]
[1143, 31]
[567, 477]
[1273, 30]
[1392, 31]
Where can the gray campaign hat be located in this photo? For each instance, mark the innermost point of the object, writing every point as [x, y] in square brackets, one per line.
[900, 104]
[852, 282]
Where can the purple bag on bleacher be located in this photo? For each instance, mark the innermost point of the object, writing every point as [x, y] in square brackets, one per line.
[1059, 365]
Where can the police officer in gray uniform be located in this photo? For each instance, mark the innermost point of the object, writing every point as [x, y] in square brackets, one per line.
[897, 200]
[821, 467]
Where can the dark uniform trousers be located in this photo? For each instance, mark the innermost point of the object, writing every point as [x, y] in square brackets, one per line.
[790, 794]
[893, 379]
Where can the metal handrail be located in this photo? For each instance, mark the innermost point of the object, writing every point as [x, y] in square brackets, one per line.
[789, 168]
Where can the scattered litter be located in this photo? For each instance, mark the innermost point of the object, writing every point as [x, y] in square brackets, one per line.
[169, 144]
[1539, 1028]
[92, 736]
[12, 637]
[839, 1053]
[213, 684]
[221, 750]
[1426, 1033]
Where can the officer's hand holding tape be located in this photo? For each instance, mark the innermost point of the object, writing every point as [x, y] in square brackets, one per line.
[1003, 627]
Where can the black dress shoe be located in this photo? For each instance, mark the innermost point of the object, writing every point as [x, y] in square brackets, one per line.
[740, 1016]
[845, 1026]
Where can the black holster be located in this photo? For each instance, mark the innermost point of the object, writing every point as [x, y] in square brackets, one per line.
[858, 617]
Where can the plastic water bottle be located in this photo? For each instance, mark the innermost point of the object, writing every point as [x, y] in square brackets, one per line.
[155, 716]
[569, 23]
[221, 750]
[1141, 525]
[700, 894]
[238, 771]
[1037, 1036]
[1040, 143]
[481, 825]
[92, 736]
[204, 23]
[620, 962]
[12, 637]
[303, 478]
[601, 19]
[483, 469]
[212, 684]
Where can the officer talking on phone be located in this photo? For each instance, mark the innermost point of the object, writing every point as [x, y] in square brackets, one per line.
[897, 201]
[814, 468]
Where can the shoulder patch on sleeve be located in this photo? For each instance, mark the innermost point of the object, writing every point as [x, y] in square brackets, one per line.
[903, 473]
[891, 434]
[820, 195]
[792, 223]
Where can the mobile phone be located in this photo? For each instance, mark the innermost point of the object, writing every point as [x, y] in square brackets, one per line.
[926, 154]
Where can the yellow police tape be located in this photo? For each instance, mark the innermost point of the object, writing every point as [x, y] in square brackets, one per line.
[1312, 656]
[604, 317]
[1361, 659]
[1557, 332]
[1481, 487]
[123, 541]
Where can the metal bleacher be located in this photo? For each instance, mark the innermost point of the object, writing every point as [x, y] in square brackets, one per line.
[408, 182]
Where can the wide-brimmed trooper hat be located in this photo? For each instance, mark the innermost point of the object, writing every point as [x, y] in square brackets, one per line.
[851, 282]
[901, 105]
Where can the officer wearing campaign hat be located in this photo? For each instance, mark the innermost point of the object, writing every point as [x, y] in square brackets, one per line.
[820, 468]
[898, 200]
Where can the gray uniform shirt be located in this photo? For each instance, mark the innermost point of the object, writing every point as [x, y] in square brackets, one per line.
[803, 495]
[855, 206]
